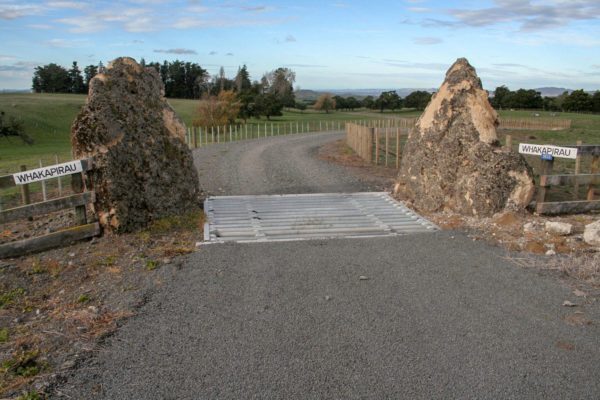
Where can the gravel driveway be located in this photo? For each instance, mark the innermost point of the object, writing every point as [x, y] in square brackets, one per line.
[433, 316]
[278, 165]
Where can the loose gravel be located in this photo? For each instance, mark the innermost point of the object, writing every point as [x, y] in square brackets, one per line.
[274, 165]
[417, 317]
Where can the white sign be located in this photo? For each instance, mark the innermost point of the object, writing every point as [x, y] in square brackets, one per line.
[51, 171]
[542, 149]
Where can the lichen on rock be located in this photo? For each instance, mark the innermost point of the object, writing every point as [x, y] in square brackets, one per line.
[143, 170]
[453, 159]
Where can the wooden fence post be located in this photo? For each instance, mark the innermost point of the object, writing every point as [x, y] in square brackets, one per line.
[387, 143]
[577, 171]
[594, 170]
[59, 179]
[80, 211]
[370, 136]
[25, 197]
[376, 146]
[397, 148]
[44, 194]
[546, 169]
[509, 143]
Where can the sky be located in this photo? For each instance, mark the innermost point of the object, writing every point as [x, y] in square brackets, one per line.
[338, 44]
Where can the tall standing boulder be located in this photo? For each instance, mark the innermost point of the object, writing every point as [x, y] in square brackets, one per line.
[143, 169]
[453, 159]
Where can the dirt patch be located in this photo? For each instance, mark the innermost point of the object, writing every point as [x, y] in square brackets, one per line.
[339, 152]
[522, 231]
[56, 306]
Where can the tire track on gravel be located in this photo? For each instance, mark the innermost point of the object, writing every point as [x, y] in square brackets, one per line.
[277, 165]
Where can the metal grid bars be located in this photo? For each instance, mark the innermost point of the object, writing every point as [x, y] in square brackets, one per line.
[266, 218]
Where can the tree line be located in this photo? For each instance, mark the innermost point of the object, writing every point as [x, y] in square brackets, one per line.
[241, 96]
[389, 100]
[576, 101]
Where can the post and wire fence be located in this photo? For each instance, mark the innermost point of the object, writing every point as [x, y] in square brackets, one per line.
[379, 142]
[202, 136]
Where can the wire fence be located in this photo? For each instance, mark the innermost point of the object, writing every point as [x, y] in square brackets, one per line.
[202, 136]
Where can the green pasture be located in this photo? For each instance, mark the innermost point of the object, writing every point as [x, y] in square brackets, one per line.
[48, 119]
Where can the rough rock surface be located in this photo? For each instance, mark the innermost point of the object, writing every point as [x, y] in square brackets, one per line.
[559, 228]
[143, 168]
[453, 160]
[591, 234]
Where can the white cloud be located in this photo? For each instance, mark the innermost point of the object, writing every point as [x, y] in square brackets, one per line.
[13, 10]
[176, 51]
[529, 15]
[75, 5]
[290, 38]
[4, 58]
[83, 24]
[67, 43]
[427, 40]
[141, 24]
[419, 9]
[40, 26]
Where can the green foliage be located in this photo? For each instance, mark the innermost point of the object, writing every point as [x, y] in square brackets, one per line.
[9, 297]
[242, 80]
[33, 395]
[352, 103]
[151, 265]
[11, 126]
[51, 78]
[187, 221]
[300, 105]
[417, 99]
[388, 101]
[268, 105]
[76, 84]
[90, 71]
[521, 99]
[37, 267]
[3, 335]
[280, 84]
[578, 100]
[84, 298]
[23, 364]
[325, 102]
[596, 101]
[183, 80]
[368, 102]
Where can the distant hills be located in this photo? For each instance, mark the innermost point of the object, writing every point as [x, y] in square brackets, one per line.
[306, 94]
[15, 90]
[552, 91]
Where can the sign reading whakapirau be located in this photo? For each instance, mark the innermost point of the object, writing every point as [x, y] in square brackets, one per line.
[51, 171]
[543, 149]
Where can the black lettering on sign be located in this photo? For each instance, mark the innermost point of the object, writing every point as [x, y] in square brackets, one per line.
[23, 178]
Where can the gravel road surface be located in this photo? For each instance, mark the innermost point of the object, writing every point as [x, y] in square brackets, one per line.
[433, 316]
[278, 165]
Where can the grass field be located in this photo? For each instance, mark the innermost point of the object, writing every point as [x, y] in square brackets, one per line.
[48, 119]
